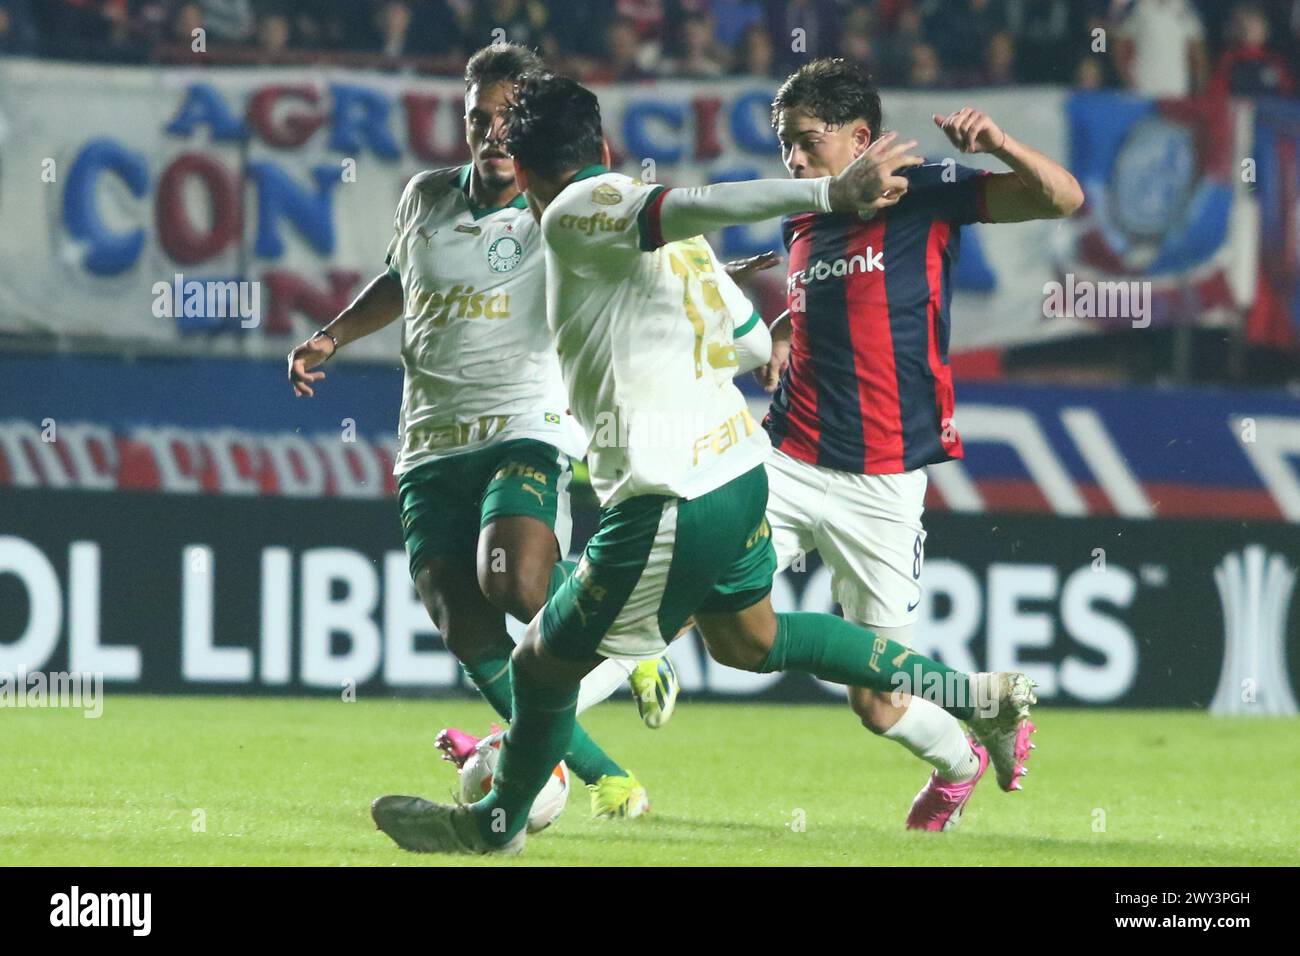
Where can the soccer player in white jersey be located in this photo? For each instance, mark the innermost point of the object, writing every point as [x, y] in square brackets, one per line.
[638, 305]
[485, 436]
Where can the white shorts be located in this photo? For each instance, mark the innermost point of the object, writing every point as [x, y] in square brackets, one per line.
[867, 529]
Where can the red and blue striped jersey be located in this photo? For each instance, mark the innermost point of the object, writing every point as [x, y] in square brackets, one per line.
[868, 389]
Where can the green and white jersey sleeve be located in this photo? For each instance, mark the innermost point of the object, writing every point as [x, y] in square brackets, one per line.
[480, 367]
[645, 336]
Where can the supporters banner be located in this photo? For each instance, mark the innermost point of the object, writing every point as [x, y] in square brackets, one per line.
[172, 594]
[1165, 235]
[229, 211]
[229, 427]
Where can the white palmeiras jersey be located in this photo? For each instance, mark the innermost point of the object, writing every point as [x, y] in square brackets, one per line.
[480, 367]
[645, 333]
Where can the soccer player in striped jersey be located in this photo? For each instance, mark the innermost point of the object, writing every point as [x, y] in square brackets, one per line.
[865, 395]
[486, 439]
[644, 323]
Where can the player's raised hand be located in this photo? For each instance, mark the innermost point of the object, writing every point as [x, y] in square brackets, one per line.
[971, 131]
[871, 182]
[742, 269]
[310, 355]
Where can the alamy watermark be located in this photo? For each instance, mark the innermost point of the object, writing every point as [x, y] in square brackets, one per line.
[208, 299]
[670, 430]
[947, 689]
[1086, 299]
[74, 690]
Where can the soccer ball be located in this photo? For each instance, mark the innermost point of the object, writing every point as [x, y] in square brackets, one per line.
[476, 781]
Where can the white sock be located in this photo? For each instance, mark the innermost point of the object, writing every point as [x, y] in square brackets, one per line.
[935, 736]
[608, 676]
[928, 730]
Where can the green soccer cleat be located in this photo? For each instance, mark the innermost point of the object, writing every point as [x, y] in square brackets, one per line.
[618, 797]
[420, 826]
[655, 687]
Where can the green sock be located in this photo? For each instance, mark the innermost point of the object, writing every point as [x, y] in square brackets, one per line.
[562, 571]
[532, 747]
[491, 675]
[831, 648]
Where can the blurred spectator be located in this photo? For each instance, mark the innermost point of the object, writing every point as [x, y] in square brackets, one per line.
[1162, 48]
[702, 57]
[894, 50]
[152, 20]
[577, 29]
[624, 49]
[1089, 74]
[672, 45]
[89, 29]
[926, 72]
[734, 19]
[1158, 46]
[890, 13]
[189, 19]
[1043, 30]
[233, 20]
[960, 30]
[523, 21]
[18, 35]
[1000, 60]
[1248, 67]
[1292, 31]
[393, 28]
[330, 24]
[645, 16]
[273, 30]
[754, 56]
[856, 43]
[402, 28]
[802, 30]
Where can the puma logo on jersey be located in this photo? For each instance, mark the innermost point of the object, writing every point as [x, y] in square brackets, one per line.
[822, 269]
[461, 302]
[590, 224]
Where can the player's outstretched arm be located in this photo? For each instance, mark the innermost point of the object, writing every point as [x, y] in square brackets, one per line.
[379, 304]
[1037, 187]
[871, 182]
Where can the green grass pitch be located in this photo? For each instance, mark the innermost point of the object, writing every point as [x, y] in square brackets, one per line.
[282, 782]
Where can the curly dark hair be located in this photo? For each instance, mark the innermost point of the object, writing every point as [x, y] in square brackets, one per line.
[500, 61]
[553, 125]
[835, 91]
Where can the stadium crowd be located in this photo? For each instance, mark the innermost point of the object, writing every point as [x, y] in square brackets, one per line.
[1159, 47]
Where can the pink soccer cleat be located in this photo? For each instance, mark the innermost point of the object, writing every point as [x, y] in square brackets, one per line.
[456, 745]
[939, 804]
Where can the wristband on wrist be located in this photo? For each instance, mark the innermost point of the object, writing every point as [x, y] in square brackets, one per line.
[329, 336]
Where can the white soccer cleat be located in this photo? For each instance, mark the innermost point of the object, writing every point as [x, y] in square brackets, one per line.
[420, 826]
[655, 687]
[1001, 723]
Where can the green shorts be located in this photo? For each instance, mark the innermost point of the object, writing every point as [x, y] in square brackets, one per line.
[654, 561]
[445, 502]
